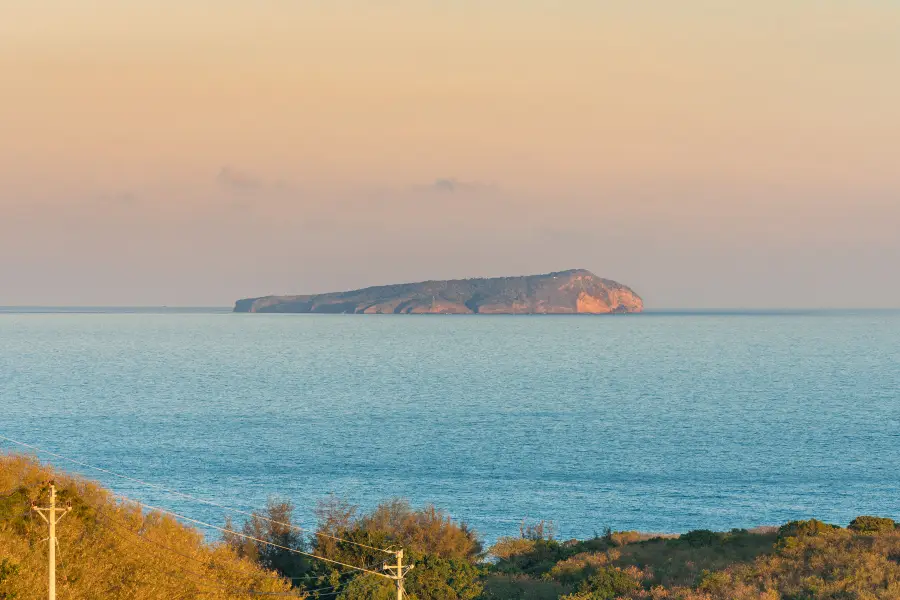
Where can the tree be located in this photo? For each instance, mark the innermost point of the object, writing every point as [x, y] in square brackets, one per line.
[436, 578]
[444, 552]
[542, 530]
[275, 526]
[369, 587]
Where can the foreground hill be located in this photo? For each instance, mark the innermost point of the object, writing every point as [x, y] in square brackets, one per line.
[564, 292]
[113, 550]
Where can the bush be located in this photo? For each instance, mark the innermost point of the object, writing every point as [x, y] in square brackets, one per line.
[7, 570]
[578, 568]
[542, 530]
[623, 538]
[607, 584]
[521, 587]
[866, 524]
[701, 538]
[508, 547]
[715, 583]
[536, 558]
[812, 527]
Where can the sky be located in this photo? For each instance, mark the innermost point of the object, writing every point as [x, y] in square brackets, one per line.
[707, 153]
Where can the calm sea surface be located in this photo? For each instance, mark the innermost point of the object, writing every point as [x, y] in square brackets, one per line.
[657, 422]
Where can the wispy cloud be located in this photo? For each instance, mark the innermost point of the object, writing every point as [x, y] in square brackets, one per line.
[119, 198]
[451, 185]
[236, 179]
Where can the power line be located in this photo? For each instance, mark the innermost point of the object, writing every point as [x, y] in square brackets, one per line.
[396, 576]
[204, 582]
[190, 497]
[106, 517]
[331, 590]
[251, 538]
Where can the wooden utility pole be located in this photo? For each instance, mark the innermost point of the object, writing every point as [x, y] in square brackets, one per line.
[400, 568]
[399, 573]
[52, 515]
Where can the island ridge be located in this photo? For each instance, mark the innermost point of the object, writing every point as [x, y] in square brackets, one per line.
[576, 291]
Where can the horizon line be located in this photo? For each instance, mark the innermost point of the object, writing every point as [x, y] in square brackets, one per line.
[655, 310]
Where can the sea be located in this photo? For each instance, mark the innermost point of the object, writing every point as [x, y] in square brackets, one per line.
[660, 422]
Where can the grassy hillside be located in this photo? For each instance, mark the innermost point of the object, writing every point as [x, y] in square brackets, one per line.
[110, 550]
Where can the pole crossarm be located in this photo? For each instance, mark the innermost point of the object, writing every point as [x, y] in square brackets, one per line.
[398, 573]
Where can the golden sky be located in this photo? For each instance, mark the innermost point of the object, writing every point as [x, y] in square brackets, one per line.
[708, 153]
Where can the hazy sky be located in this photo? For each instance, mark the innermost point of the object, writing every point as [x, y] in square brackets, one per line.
[708, 153]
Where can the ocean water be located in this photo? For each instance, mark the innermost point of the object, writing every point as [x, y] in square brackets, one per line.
[659, 422]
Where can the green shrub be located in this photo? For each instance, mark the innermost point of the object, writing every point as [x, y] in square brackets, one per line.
[521, 587]
[576, 569]
[811, 527]
[866, 524]
[623, 538]
[715, 583]
[606, 584]
[701, 538]
[7, 570]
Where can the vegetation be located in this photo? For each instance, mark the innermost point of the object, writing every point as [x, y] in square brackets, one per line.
[802, 560]
[113, 549]
[446, 555]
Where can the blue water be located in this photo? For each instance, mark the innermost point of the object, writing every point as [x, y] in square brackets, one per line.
[664, 422]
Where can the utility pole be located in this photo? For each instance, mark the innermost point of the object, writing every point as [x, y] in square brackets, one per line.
[400, 573]
[49, 515]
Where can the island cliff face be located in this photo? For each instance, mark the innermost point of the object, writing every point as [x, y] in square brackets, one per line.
[564, 292]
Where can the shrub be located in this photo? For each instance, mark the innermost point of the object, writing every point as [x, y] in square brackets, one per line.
[542, 530]
[7, 570]
[701, 538]
[623, 538]
[866, 524]
[508, 547]
[606, 584]
[812, 527]
[521, 587]
[578, 568]
[715, 583]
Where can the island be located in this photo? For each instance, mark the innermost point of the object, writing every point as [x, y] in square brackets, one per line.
[576, 291]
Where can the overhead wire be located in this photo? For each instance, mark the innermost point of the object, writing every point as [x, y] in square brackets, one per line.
[191, 497]
[320, 591]
[204, 581]
[253, 538]
[369, 569]
[107, 518]
[105, 521]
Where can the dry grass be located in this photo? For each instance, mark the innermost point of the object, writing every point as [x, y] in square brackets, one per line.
[108, 549]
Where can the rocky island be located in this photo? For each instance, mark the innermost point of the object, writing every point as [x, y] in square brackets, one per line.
[576, 291]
